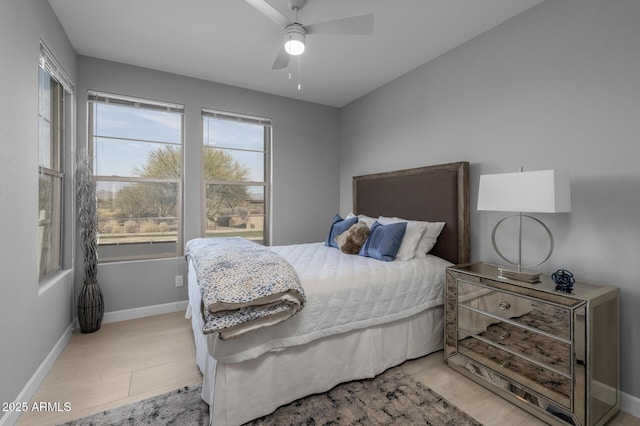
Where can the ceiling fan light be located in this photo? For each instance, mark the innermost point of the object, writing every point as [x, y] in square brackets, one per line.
[295, 40]
[294, 47]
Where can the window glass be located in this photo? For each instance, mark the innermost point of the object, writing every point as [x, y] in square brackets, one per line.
[146, 212]
[235, 210]
[222, 133]
[133, 122]
[49, 222]
[123, 157]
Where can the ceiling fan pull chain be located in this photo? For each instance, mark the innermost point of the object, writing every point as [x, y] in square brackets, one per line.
[299, 74]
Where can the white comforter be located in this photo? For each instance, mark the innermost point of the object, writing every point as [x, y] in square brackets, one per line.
[344, 292]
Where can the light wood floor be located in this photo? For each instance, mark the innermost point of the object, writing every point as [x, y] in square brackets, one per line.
[123, 362]
[129, 361]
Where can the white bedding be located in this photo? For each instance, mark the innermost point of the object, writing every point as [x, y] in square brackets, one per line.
[344, 293]
[279, 377]
[393, 315]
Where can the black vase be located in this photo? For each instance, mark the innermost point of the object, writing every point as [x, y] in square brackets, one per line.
[90, 307]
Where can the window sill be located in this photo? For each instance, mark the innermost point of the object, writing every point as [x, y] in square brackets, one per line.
[61, 276]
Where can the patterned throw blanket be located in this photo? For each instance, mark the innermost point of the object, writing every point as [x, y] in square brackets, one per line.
[244, 285]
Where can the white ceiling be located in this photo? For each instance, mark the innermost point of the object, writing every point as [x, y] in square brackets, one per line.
[230, 42]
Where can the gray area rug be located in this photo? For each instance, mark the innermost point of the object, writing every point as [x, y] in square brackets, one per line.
[392, 398]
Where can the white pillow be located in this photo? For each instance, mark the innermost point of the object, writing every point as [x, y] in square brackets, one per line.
[429, 238]
[362, 218]
[412, 236]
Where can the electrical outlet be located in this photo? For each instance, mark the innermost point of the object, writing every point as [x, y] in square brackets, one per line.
[179, 282]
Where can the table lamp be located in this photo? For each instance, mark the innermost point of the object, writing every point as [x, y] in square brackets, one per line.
[544, 191]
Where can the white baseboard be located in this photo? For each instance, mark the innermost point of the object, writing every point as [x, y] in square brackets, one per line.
[630, 404]
[36, 380]
[145, 311]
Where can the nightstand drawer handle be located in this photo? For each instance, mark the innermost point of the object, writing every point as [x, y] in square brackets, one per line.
[504, 305]
[505, 363]
[504, 335]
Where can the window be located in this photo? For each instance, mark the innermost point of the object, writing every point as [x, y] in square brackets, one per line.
[235, 170]
[137, 150]
[53, 85]
[50, 173]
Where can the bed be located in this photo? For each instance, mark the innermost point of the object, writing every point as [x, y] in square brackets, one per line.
[249, 376]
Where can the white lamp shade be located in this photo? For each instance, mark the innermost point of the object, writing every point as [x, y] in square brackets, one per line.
[544, 191]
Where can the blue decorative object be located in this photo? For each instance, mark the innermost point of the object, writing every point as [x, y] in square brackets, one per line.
[564, 280]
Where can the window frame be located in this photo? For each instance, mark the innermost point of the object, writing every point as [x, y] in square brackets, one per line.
[118, 252]
[266, 183]
[60, 142]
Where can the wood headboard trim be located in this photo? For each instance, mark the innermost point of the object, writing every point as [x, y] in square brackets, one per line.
[431, 193]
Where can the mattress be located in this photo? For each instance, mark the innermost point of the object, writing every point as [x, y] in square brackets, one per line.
[344, 293]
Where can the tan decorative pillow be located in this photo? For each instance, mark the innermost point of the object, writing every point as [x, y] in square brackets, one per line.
[353, 238]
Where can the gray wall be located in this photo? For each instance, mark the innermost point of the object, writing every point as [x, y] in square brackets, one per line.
[305, 168]
[555, 87]
[32, 316]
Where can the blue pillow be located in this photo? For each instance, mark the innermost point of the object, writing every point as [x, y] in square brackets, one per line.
[338, 226]
[384, 241]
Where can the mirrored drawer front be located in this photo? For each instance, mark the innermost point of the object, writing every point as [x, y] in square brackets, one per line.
[550, 384]
[550, 409]
[541, 316]
[535, 346]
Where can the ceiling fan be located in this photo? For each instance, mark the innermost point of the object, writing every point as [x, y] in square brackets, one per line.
[295, 33]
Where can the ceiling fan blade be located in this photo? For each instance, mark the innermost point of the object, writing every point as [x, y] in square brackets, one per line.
[270, 12]
[282, 59]
[355, 25]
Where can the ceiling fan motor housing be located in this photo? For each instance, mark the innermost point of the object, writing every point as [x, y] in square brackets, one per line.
[295, 39]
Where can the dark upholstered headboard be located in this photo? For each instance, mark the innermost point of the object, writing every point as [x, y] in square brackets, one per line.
[435, 193]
